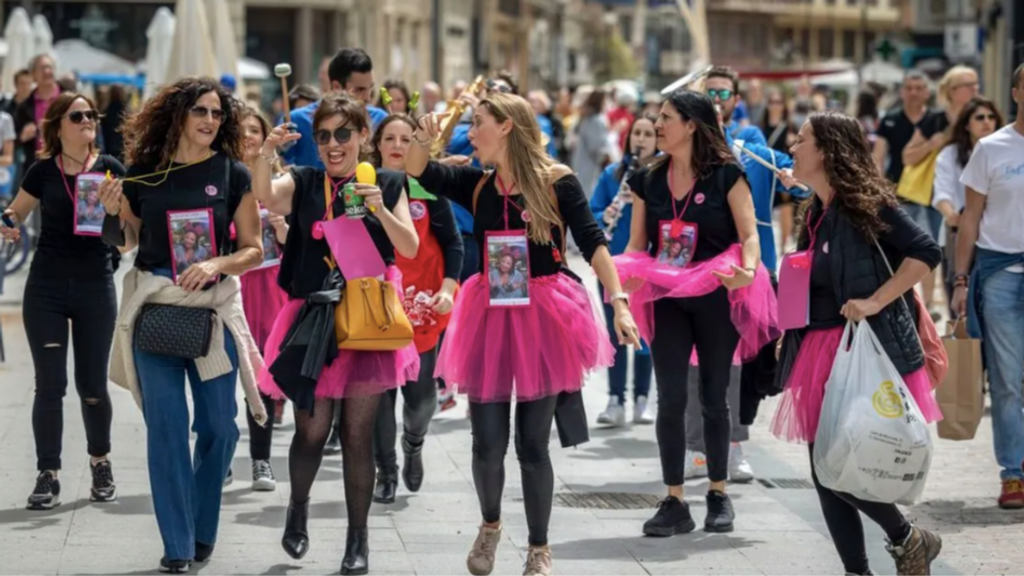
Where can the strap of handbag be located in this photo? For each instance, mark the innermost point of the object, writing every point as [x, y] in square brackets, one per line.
[554, 199]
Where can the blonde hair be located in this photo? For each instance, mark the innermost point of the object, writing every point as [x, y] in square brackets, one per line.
[529, 163]
[946, 84]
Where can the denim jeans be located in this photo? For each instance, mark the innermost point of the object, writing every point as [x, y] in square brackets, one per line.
[187, 488]
[1003, 309]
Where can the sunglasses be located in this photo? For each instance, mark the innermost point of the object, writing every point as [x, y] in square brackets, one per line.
[200, 112]
[723, 94]
[79, 116]
[984, 117]
[503, 88]
[341, 136]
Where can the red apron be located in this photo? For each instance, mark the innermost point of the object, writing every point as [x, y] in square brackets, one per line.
[421, 280]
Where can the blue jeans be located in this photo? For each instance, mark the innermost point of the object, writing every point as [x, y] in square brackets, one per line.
[642, 365]
[187, 488]
[1003, 338]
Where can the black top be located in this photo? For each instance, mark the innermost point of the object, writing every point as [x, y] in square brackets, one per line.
[904, 237]
[458, 184]
[897, 130]
[303, 268]
[61, 252]
[218, 183]
[709, 208]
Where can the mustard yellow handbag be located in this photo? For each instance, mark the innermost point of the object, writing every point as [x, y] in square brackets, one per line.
[370, 317]
[917, 181]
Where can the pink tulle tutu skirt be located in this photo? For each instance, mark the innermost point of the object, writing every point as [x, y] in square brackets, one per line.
[262, 300]
[353, 373]
[754, 309]
[548, 347]
[796, 419]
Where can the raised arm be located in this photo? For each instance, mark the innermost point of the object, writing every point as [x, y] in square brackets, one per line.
[275, 194]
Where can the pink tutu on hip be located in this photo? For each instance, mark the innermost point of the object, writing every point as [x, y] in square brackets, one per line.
[796, 418]
[754, 308]
[262, 300]
[530, 352]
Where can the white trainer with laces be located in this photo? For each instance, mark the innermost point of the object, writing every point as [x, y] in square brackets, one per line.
[739, 469]
[614, 416]
[641, 415]
[696, 465]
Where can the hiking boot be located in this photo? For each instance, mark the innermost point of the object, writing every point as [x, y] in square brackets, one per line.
[538, 561]
[481, 558]
[914, 556]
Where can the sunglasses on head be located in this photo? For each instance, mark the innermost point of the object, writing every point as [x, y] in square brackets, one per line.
[983, 117]
[341, 136]
[724, 94]
[503, 88]
[79, 116]
[202, 112]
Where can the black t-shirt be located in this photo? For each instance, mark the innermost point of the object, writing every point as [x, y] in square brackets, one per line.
[903, 237]
[709, 209]
[217, 183]
[458, 183]
[897, 130]
[61, 252]
[303, 268]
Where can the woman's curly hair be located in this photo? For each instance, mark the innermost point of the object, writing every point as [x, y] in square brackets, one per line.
[151, 136]
[859, 189]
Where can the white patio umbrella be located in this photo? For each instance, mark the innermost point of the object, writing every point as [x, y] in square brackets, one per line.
[191, 51]
[223, 34]
[78, 56]
[160, 39]
[42, 34]
[21, 46]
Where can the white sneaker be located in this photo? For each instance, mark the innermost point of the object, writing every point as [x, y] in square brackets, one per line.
[640, 413]
[696, 465]
[739, 469]
[614, 415]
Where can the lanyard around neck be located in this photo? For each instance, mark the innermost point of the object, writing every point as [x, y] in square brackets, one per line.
[64, 177]
[671, 187]
[331, 193]
[506, 193]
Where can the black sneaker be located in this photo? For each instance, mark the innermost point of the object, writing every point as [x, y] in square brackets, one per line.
[103, 487]
[673, 517]
[46, 495]
[720, 513]
[174, 566]
[203, 552]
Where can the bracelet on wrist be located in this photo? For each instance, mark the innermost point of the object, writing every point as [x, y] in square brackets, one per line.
[423, 143]
[269, 159]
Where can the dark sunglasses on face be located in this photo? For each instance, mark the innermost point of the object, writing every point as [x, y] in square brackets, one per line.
[78, 116]
[723, 94]
[341, 136]
[493, 86]
[984, 117]
[202, 112]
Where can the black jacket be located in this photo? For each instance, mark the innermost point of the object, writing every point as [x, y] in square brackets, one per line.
[25, 114]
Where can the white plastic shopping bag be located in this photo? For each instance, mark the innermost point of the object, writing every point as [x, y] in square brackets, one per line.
[872, 441]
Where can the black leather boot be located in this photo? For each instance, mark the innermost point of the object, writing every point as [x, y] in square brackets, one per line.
[296, 537]
[387, 486]
[357, 552]
[412, 473]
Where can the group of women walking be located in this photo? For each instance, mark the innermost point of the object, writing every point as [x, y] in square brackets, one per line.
[201, 163]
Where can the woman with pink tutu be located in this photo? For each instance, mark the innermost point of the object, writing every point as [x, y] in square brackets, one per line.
[531, 344]
[694, 265]
[313, 197]
[853, 217]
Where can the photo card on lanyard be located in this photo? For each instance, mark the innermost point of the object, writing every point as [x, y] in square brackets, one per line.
[795, 282]
[507, 254]
[85, 201]
[677, 238]
[192, 239]
[268, 235]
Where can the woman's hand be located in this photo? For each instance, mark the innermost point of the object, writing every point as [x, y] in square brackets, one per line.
[610, 213]
[110, 195]
[959, 303]
[199, 274]
[10, 234]
[858, 310]
[787, 179]
[740, 278]
[430, 126]
[442, 302]
[372, 196]
[953, 219]
[625, 326]
[277, 138]
[277, 222]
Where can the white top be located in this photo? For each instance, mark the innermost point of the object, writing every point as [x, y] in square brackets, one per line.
[996, 169]
[947, 179]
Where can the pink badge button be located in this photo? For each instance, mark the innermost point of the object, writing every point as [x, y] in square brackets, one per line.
[824, 247]
[318, 231]
[526, 216]
[211, 190]
[699, 198]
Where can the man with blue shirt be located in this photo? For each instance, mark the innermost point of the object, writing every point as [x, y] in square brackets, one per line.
[722, 86]
[351, 71]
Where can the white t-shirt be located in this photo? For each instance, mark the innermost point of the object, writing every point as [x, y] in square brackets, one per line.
[996, 169]
[6, 127]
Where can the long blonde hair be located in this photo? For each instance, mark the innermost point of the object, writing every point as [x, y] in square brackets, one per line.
[529, 163]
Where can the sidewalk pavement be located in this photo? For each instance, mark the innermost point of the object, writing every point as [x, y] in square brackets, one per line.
[779, 530]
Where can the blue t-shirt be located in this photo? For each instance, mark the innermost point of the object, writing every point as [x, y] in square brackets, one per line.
[749, 134]
[303, 152]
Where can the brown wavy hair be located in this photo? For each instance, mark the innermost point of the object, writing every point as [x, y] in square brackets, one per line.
[151, 136]
[860, 190]
[960, 136]
[378, 135]
[51, 123]
[710, 149]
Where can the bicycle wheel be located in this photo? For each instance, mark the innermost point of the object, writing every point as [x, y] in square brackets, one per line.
[15, 254]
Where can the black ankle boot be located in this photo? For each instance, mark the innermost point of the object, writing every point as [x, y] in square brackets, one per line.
[296, 537]
[357, 552]
[412, 473]
[387, 486]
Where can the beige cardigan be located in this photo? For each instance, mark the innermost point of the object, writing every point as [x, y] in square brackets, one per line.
[225, 298]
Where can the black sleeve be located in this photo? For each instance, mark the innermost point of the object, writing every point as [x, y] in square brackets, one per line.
[883, 129]
[240, 184]
[113, 165]
[636, 183]
[301, 175]
[728, 175]
[32, 182]
[908, 239]
[442, 224]
[456, 183]
[131, 189]
[576, 213]
[934, 123]
[391, 185]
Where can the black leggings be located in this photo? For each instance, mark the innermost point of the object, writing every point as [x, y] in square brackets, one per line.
[490, 424]
[260, 437]
[420, 402]
[91, 306]
[356, 431]
[842, 515]
[682, 323]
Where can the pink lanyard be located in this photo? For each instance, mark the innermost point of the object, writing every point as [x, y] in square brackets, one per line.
[671, 187]
[334, 191]
[812, 231]
[64, 178]
[506, 192]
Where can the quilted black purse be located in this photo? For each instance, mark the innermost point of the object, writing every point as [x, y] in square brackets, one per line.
[177, 331]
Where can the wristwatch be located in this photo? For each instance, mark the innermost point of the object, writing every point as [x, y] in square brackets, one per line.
[619, 296]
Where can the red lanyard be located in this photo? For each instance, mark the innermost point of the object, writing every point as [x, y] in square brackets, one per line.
[812, 231]
[334, 192]
[671, 186]
[64, 178]
[506, 192]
